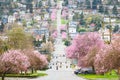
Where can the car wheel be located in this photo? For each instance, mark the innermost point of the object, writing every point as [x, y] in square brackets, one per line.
[86, 72]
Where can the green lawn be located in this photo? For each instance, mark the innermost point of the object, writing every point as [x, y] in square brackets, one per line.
[26, 75]
[95, 77]
[118, 21]
[106, 76]
[63, 21]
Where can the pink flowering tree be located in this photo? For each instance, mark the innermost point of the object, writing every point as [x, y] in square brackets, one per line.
[64, 14]
[108, 58]
[54, 34]
[41, 60]
[64, 35]
[53, 15]
[37, 60]
[83, 47]
[63, 27]
[13, 61]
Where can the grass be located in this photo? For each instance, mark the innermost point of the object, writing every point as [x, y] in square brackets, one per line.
[63, 21]
[118, 21]
[26, 75]
[107, 76]
[95, 77]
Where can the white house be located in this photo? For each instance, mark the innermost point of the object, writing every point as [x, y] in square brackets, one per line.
[72, 29]
[11, 19]
[105, 34]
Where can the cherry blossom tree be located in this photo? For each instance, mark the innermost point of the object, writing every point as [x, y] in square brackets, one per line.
[37, 60]
[53, 15]
[82, 45]
[63, 27]
[64, 14]
[13, 61]
[54, 34]
[41, 60]
[108, 58]
[64, 35]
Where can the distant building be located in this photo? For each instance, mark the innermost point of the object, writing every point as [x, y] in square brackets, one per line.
[105, 34]
[72, 29]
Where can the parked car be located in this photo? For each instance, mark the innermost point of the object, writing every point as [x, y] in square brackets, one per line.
[77, 71]
[84, 71]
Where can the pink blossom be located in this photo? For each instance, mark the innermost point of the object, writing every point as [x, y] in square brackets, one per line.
[53, 14]
[64, 35]
[54, 34]
[83, 45]
[15, 60]
[92, 24]
[42, 58]
[63, 27]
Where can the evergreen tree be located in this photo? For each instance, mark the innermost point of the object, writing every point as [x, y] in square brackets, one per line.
[95, 3]
[114, 10]
[82, 20]
[101, 9]
[40, 4]
[76, 17]
[116, 28]
[88, 4]
[66, 2]
[49, 3]
[106, 11]
[44, 39]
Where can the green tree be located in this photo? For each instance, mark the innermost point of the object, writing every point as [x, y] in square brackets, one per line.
[3, 46]
[76, 16]
[40, 4]
[114, 10]
[49, 3]
[44, 39]
[18, 39]
[98, 26]
[65, 2]
[88, 4]
[106, 11]
[67, 43]
[82, 20]
[81, 30]
[97, 20]
[116, 28]
[101, 9]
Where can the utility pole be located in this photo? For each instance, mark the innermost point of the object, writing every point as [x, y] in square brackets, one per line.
[91, 3]
[110, 30]
[103, 28]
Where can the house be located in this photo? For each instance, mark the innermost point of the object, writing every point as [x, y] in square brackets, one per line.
[11, 19]
[105, 34]
[41, 32]
[72, 29]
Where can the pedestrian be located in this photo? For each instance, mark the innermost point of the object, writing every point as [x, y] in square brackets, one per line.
[66, 66]
[56, 67]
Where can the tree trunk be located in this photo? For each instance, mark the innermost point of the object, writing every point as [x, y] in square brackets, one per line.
[21, 71]
[93, 68]
[32, 70]
[25, 71]
[118, 72]
[35, 71]
[3, 76]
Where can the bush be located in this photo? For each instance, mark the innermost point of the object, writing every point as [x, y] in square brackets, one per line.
[67, 43]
